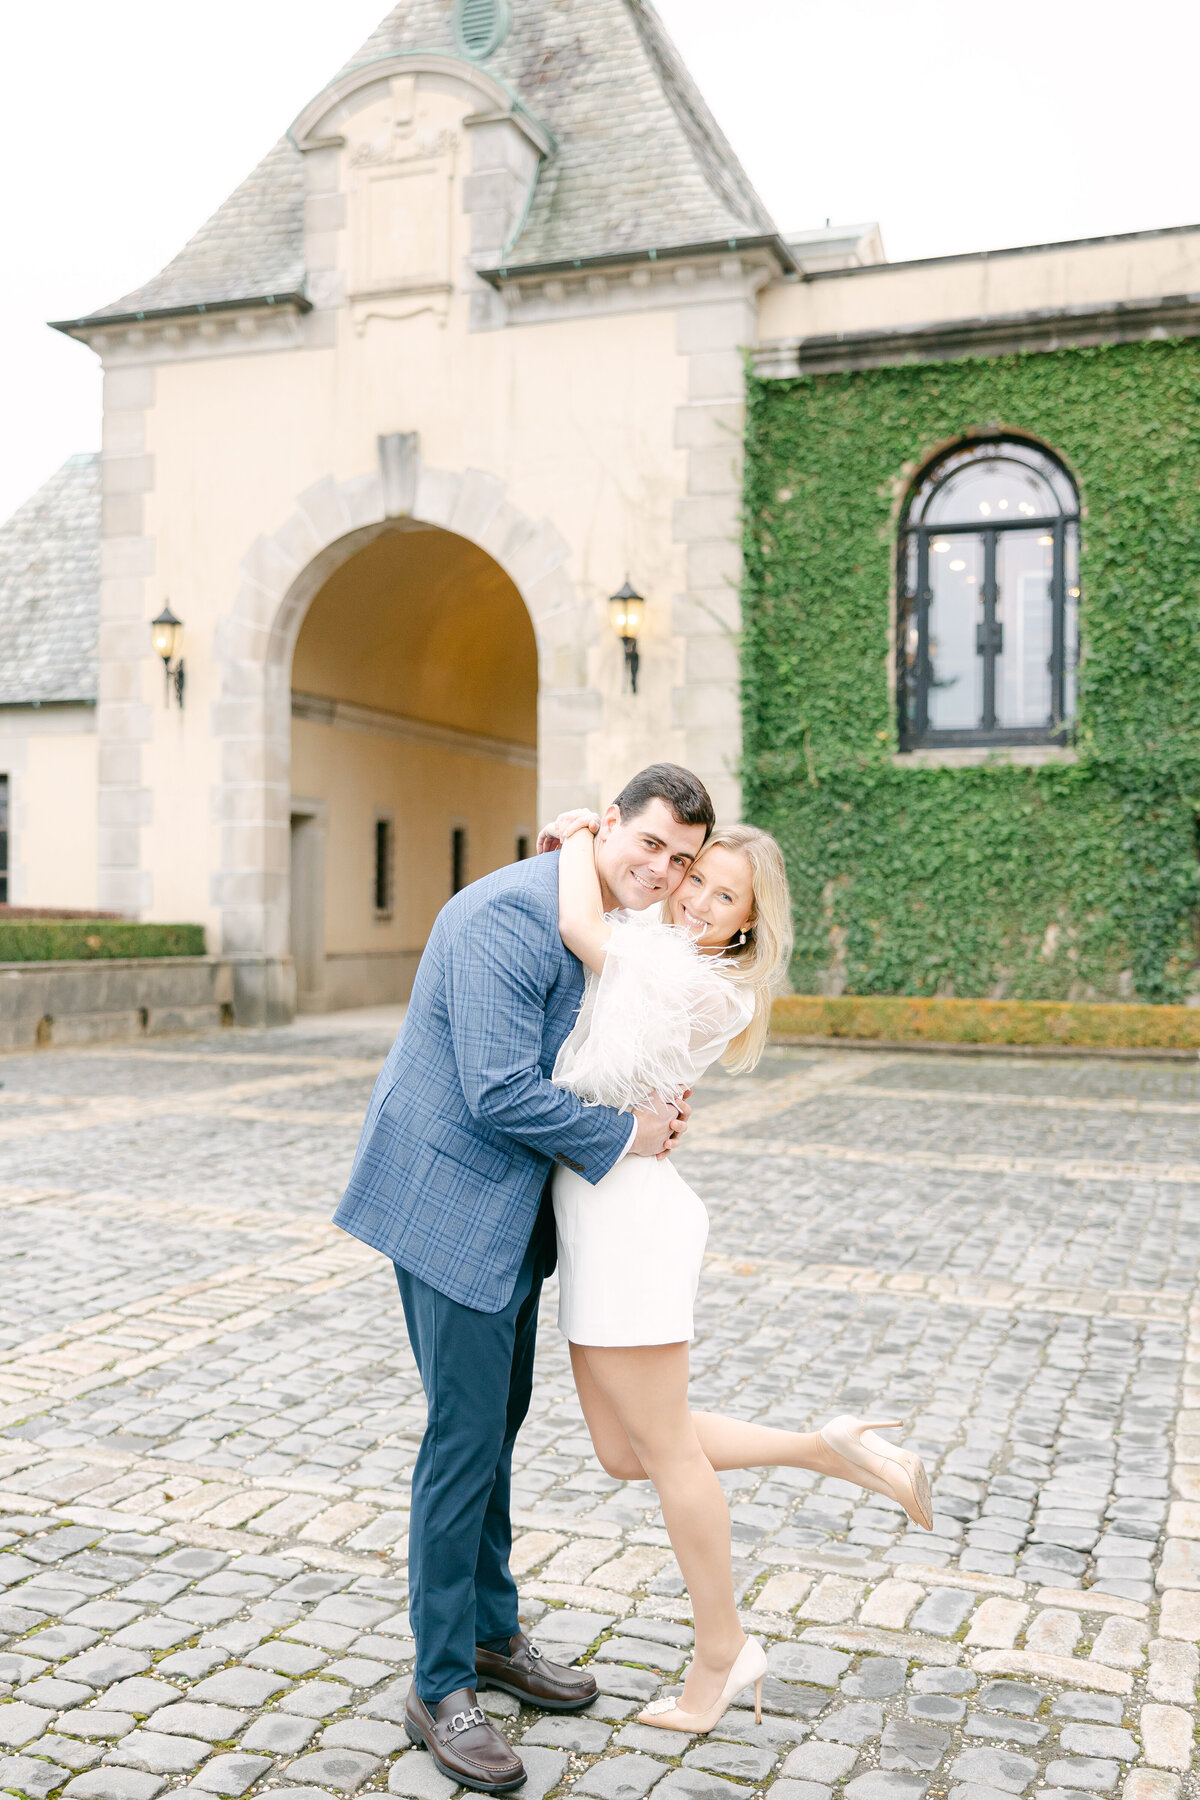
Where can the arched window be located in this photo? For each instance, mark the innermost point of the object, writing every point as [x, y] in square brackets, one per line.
[988, 590]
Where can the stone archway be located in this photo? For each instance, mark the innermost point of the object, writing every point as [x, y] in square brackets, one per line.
[253, 647]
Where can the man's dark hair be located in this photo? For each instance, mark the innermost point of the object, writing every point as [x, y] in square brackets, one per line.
[683, 792]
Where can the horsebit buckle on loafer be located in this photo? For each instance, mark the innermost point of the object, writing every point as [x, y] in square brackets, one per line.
[463, 1721]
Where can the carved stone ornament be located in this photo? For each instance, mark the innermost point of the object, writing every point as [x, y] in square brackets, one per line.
[405, 143]
[402, 184]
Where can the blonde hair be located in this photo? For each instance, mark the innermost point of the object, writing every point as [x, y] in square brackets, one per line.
[761, 962]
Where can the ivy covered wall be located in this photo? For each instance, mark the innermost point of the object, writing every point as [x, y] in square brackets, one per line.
[1067, 881]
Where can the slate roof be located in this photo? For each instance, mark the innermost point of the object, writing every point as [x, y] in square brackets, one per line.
[50, 589]
[251, 247]
[639, 161]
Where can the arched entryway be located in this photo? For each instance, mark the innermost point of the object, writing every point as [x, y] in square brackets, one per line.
[413, 755]
[284, 574]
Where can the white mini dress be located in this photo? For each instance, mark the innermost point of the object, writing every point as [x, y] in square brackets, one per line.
[630, 1247]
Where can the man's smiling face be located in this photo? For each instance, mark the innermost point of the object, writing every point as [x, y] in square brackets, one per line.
[643, 859]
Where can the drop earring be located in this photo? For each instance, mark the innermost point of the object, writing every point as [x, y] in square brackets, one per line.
[739, 940]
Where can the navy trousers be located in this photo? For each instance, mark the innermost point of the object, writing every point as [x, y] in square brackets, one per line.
[477, 1372]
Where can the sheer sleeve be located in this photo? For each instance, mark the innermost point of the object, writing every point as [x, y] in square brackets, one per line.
[652, 1021]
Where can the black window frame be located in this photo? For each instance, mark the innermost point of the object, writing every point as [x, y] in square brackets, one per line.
[382, 871]
[458, 859]
[914, 671]
[5, 836]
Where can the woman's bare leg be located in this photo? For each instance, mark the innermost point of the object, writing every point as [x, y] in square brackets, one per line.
[642, 1394]
[740, 1444]
[727, 1443]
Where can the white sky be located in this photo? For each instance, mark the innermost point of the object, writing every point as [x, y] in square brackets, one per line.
[958, 125]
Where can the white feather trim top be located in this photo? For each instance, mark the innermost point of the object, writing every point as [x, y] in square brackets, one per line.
[653, 1020]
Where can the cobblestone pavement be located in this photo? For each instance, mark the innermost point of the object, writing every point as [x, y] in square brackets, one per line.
[209, 1415]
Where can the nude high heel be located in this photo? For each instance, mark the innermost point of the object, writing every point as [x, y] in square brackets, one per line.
[884, 1468]
[750, 1665]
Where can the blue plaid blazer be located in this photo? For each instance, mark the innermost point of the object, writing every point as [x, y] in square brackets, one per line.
[464, 1123]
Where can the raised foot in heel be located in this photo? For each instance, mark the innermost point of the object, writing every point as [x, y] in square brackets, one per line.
[872, 1462]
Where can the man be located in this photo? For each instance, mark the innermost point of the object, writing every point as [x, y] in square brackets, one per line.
[450, 1182]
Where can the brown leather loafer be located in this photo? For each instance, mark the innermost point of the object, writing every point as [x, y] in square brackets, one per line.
[529, 1675]
[463, 1742]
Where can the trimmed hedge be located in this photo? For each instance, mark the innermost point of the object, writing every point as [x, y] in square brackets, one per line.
[52, 912]
[1031, 1022]
[82, 940]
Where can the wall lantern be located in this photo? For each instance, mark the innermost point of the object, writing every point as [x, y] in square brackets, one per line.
[165, 633]
[625, 609]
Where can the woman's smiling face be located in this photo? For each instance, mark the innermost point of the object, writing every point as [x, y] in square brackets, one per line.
[715, 899]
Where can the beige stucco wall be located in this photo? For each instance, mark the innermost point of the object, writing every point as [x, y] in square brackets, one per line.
[606, 410]
[49, 756]
[427, 791]
[234, 443]
[423, 624]
[420, 629]
[1135, 267]
[578, 429]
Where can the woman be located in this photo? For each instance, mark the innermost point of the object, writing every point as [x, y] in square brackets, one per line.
[664, 998]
